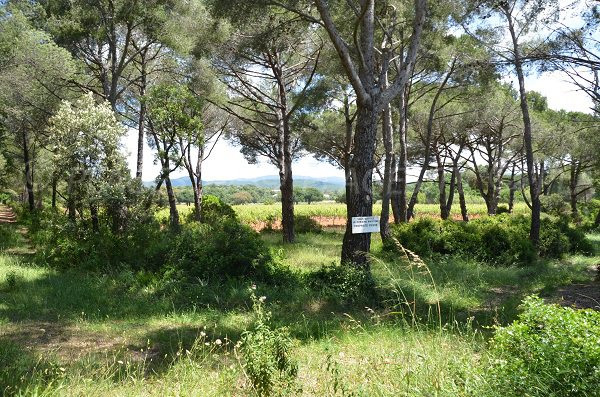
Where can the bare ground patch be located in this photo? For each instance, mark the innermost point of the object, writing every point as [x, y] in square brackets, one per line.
[67, 342]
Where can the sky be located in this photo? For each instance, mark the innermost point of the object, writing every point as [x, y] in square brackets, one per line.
[226, 161]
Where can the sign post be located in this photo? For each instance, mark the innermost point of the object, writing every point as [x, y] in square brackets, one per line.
[365, 224]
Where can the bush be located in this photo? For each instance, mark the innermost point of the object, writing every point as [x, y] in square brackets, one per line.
[501, 240]
[227, 249]
[554, 204]
[306, 224]
[343, 283]
[548, 351]
[64, 245]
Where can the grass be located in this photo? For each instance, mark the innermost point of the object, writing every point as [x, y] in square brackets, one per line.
[69, 334]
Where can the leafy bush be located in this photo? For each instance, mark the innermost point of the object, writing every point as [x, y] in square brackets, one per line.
[554, 204]
[343, 283]
[266, 354]
[215, 210]
[548, 351]
[501, 240]
[227, 249]
[306, 224]
[62, 244]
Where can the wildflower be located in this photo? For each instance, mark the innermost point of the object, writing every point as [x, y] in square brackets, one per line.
[262, 299]
[218, 342]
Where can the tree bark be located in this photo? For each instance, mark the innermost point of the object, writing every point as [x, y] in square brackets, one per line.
[356, 247]
[534, 231]
[512, 189]
[399, 204]
[141, 121]
[573, 181]
[94, 216]
[54, 191]
[388, 143]
[28, 170]
[461, 198]
[173, 213]
[442, 187]
[198, 187]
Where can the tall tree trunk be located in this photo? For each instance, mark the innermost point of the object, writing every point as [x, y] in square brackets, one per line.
[356, 247]
[28, 170]
[198, 187]
[141, 122]
[442, 186]
[461, 198]
[173, 213]
[512, 189]
[388, 143]
[573, 181]
[534, 231]
[94, 216]
[286, 185]
[452, 187]
[54, 191]
[399, 197]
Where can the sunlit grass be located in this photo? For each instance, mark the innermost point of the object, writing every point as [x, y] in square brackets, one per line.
[111, 336]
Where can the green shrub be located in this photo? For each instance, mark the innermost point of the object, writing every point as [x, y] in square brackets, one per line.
[227, 249]
[306, 224]
[265, 353]
[63, 245]
[548, 351]
[343, 283]
[501, 240]
[214, 210]
[554, 204]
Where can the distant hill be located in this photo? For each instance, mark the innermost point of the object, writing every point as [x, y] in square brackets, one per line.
[327, 183]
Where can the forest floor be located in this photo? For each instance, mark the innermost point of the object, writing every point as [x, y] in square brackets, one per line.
[73, 333]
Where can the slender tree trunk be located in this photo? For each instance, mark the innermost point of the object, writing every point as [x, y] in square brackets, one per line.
[141, 123]
[356, 247]
[513, 188]
[28, 171]
[173, 213]
[54, 191]
[452, 187]
[388, 143]
[442, 187]
[400, 196]
[534, 231]
[573, 180]
[94, 216]
[198, 188]
[461, 198]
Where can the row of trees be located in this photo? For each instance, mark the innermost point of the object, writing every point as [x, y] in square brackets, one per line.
[372, 87]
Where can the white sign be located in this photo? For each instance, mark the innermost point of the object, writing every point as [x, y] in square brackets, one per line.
[365, 224]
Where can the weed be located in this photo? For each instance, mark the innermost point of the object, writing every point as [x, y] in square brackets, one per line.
[265, 354]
